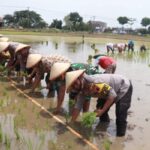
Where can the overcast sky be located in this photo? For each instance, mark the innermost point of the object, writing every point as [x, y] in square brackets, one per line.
[99, 10]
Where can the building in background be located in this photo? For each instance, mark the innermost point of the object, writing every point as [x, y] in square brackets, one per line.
[97, 26]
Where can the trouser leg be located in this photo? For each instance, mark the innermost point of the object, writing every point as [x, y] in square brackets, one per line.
[122, 107]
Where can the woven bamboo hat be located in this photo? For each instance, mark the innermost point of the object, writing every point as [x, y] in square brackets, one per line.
[3, 46]
[21, 47]
[71, 77]
[33, 59]
[58, 69]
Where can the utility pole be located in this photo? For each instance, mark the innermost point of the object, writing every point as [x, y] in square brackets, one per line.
[28, 8]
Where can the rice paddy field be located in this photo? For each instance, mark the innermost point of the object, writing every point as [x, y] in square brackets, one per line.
[26, 120]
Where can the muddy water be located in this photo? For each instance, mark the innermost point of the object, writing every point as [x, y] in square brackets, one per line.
[133, 65]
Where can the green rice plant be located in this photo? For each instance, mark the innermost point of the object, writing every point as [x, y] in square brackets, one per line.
[107, 144]
[1, 102]
[42, 139]
[7, 142]
[33, 108]
[47, 124]
[28, 143]
[71, 102]
[19, 110]
[67, 116]
[93, 46]
[1, 134]
[37, 115]
[5, 93]
[88, 119]
[2, 68]
[16, 133]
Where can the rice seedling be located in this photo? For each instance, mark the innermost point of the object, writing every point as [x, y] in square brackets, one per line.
[5, 93]
[107, 144]
[71, 103]
[19, 110]
[88, 119]
[7, 142]
[67, 116]
[28, 143]
[16, 133]
[37, 115]
[1, 134]
[33, 108]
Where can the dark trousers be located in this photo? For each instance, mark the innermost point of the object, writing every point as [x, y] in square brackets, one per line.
[122, 107]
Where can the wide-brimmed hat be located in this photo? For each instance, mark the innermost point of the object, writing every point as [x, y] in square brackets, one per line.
[3, 46]
[71, 77]
[58, 69]
[33, 59]
[21, 47]
[4, 39]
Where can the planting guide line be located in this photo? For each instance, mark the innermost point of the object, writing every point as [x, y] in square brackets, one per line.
[13, 84]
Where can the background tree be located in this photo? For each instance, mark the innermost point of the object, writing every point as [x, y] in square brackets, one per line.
[131, 21]
[123, 20]
[25, 19]
[28, 19]
[56, 24]
[73, 21]
[145, 22]
[8, 20]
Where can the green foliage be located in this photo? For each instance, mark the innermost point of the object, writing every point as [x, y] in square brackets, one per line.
[25, 19]
[7, 142]
[88, 119]
[123, 20]
[107, 144]
[56, 24]
[16, 133]
[71, 102]
[1, 134]
[145, 22]
[73, 21]
[2, 68]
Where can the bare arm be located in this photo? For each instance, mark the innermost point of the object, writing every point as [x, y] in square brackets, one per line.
[106, 106]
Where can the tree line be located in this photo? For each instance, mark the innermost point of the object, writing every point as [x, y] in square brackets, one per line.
[73, 21]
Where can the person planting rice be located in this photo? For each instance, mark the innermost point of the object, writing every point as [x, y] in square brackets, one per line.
[121, 47]
[105, 62]
[4, 56]
[111, 47]
[110, 87]
[18, 55]
[57, 76]
[41, 65]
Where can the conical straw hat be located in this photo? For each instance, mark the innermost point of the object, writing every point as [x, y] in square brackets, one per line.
[71, 78]
[21, 46]
[3, 46]
[58, 69]
[3, 39]
[33, 59]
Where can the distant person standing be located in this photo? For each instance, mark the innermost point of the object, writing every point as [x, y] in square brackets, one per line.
[131, 45]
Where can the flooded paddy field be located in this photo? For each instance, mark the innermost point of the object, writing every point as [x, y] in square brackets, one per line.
[25, 126]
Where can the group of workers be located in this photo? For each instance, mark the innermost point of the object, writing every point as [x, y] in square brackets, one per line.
[81, 81]
[123, 47]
